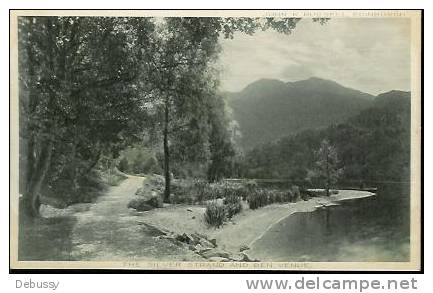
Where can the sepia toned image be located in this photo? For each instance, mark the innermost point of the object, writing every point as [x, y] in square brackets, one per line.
[227, 140]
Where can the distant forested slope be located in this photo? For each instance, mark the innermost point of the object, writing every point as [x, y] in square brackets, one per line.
[373, 145]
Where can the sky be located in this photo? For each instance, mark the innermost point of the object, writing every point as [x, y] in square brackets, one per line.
[367, 54]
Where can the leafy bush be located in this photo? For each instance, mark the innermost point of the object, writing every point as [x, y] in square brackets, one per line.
[215, 214]
[186, 192]
[176, 198]
[123, 165]
[201, 191]
[251, 184]
[305, 196]
[289, 197]
[233, 204]
[233, 209]
[231, 198]
[140, 204]
[156, 180]
[112, 177]
[257, 199]
[138, 160]
[155, 201]
[296, 193]
[63, 192]
[243, 193]
[261, 197]
[279, 196]
[138, 164]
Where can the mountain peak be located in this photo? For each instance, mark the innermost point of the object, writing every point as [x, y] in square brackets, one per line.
[264, 82]
[268, 109]
[262, 86]
[316, 82]
[318, 79]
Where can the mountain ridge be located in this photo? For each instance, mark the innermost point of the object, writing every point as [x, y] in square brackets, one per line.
[268, 109]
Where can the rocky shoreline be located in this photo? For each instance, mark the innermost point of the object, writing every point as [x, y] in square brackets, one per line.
[200, 244]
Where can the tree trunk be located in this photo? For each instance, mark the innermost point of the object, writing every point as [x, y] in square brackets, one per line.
[30, 157]
[31, 198]
[94, 161]
[166, 154]
[328, 179]
[31, 109]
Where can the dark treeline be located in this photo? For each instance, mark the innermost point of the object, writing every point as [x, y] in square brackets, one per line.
[373, 146]
[91, 86]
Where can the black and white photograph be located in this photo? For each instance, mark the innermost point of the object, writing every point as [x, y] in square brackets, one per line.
[227, 140]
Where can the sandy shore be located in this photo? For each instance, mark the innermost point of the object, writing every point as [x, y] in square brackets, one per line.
[245, 228]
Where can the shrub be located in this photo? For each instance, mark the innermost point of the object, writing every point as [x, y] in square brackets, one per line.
[123, 165]
[201, 191]
[215, 214]
[305, 196]
[270, 198]
[179, 198]
[233, 209]
[157, 179]
[280, 196]
[137, 165]
[257, 199]
[231, 198]
[112, 177]
[276, 196]
[233, 204]
[243, 192]
[151, 165]
[289, 196]
[189, 191]
[296, 193]
[261, 197]
[251, 184]
[316, 192]
[217, 190]
[140, 204]
[155, 201]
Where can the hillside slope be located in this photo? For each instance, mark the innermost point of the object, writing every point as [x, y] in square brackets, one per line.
[269, 109]
[373, 146]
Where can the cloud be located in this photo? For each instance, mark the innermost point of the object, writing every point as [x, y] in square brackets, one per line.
[372, 55]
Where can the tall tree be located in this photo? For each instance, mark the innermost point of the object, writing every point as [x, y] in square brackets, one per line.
[77, 94]
[327, 164]
[185, 50]
[222, 148]
[182, 79]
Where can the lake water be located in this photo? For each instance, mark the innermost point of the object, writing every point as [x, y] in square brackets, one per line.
[369, 229]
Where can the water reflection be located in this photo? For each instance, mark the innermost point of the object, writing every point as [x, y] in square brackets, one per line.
[370, 229]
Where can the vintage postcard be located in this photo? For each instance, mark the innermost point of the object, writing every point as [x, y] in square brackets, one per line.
[216, 139]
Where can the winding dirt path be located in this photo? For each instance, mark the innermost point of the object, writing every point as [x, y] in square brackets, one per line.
[109, 231]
